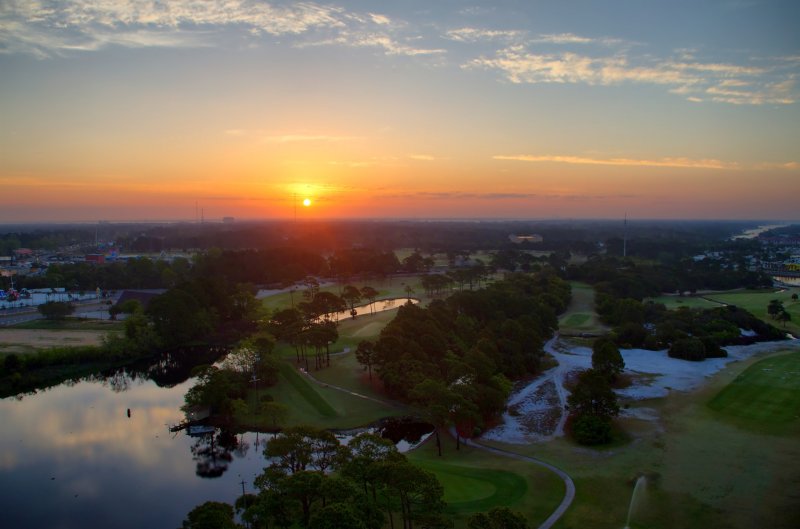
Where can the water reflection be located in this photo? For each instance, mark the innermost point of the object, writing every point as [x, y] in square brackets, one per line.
[71, 457]
[212, 453]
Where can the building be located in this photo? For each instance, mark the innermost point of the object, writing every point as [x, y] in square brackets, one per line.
[519, 239]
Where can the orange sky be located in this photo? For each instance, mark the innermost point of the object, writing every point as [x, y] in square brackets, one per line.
[521, 111]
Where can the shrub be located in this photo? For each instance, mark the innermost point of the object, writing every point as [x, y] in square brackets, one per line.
[688, 349]
[591, 430]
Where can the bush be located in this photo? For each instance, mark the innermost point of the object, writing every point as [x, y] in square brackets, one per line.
[688, 349]
[591, 430]
[56, 310]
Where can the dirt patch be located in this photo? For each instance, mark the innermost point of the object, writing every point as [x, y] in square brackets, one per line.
[540, 411]
[30, 340]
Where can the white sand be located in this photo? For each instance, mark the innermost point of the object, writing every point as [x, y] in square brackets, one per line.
[655, 374]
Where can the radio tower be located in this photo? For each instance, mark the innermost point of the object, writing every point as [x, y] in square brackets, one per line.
[625, 236]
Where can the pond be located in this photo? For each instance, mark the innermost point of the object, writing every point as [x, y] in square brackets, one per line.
[71, 456]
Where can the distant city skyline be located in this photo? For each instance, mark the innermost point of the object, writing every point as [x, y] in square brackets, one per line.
[514, 109]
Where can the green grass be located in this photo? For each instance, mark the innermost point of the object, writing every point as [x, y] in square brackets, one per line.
[580, 316]
[764, 397]
[309, 403]
[676, 302]
[475, 481]
[576, 320]
[469, 490]
[304, 388]
[756, 301]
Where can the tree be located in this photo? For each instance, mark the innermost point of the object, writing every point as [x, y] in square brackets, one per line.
[179, 318]
[606, 358]
[56, 310]
[497, 518]
[211, 515]
[275, 412]
[591, 430]
[784, 316]
[416, 492]
[301, 448]
[360, 458]
[365, 354]
[774, 308]
[351, 295]
[593, 395]
[337, 516]
[437, 401]
[691, 348]
[369, 293]
[409, 290]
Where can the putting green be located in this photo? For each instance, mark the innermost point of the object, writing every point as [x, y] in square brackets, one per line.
[469, 489]
[576, 320]
[767, 394]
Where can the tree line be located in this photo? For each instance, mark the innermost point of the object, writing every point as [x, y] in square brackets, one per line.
[455, 358]
[314, 482]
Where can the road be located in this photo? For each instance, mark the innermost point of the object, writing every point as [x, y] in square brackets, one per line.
[86, 308]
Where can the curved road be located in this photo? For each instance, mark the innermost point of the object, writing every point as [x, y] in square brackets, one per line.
[569, 493]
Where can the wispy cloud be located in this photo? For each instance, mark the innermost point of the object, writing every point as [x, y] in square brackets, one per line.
[52, 27]
[469, 34]
[571, 38]
[660, 162]
[422, 157]
[382, 41]
[768, 83]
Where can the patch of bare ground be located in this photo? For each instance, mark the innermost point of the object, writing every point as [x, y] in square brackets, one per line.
[30, 340]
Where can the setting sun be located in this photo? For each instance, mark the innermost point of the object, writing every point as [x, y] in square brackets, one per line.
[307, 202]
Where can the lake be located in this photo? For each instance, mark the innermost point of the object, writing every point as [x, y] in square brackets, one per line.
[71, 457]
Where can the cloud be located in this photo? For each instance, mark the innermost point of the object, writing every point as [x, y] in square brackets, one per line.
[768, 83]
[365, 39]
[570, 38]
[661, 162]
[380, 19]
[477, 34]
[422, 157]
[54, 27]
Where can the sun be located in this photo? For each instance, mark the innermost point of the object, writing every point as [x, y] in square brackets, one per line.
[307, 202]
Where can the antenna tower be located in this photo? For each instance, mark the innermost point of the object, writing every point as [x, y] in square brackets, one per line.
[625, 237]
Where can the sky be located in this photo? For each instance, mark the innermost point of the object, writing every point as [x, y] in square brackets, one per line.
[167, 110]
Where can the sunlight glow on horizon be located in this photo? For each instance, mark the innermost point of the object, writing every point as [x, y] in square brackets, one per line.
[517, 110]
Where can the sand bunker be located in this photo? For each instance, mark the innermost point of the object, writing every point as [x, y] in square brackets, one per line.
[536, 409]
